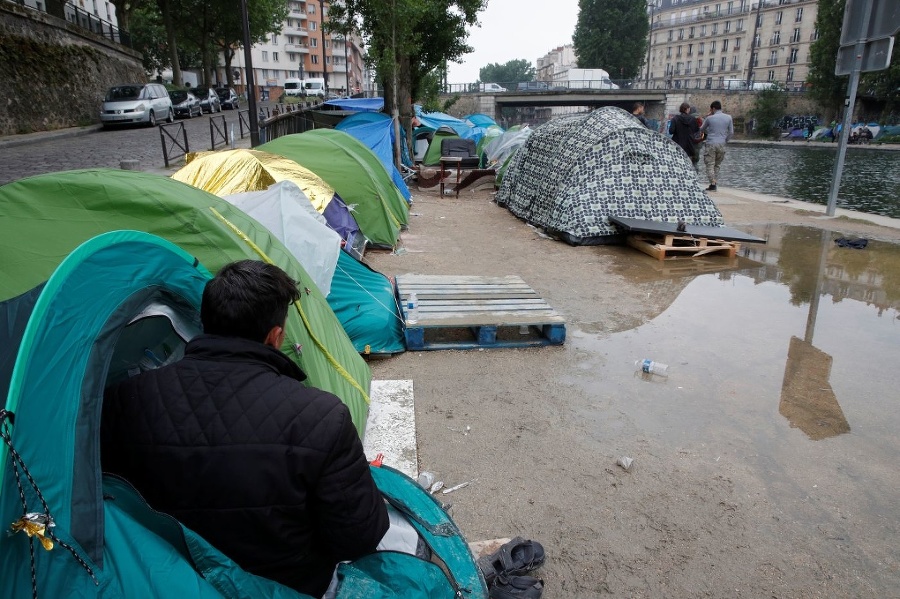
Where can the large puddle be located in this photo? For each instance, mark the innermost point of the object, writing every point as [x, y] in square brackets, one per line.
[785, 359]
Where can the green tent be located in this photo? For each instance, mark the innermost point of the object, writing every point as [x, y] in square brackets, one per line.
[356, 174]
[433, 154]
[44, 218]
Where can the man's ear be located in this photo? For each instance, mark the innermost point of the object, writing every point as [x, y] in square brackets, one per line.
[275, 337]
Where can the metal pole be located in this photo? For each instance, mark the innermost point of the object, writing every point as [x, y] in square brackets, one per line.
[251, 86]
[850, 103]
[649, 44]
[346, 67]
[753, 47]
[322, 29]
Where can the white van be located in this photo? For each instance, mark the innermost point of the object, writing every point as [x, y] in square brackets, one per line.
[314, 87]
[491, 88]
[293, 86]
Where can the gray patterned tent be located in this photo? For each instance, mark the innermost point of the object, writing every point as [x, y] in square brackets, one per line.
[575, 171]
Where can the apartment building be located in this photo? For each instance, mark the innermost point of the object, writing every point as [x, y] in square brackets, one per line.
[303, 50]
[716, 44]
[558, 60]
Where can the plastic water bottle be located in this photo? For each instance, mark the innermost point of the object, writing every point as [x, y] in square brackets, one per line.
[412, 309]
[651, 367]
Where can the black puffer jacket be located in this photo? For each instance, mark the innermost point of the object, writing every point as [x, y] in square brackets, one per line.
[684, 132]
[229, 442]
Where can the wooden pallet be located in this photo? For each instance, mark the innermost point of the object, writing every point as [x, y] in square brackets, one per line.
[457, 312]
[662, 247]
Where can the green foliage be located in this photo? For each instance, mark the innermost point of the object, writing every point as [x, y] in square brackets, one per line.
[612, 35]
[430, 92]
[826, 88]
[770, 105]
[514, 71]
[149, 37]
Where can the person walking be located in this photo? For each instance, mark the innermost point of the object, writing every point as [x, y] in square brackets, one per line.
[686, 132]
[719, 128]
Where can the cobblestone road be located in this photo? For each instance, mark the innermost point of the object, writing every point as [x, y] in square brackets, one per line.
[107, 148]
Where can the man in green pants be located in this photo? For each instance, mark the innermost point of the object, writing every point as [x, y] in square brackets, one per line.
[719, 128]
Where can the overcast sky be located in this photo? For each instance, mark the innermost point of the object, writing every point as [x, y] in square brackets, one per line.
[515, 29]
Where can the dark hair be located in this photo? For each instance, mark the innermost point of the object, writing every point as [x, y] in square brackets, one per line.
[246, 299]
[636, 106]
[685, 107]
[716, 105]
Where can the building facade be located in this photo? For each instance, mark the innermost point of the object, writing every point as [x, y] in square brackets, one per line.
[723, 44]
[304, 50]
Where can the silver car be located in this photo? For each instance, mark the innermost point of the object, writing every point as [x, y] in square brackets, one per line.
[136, 103]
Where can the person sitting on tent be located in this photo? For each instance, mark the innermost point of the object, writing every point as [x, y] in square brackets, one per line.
[228, 441]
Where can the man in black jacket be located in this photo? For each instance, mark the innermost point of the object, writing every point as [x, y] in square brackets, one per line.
[685, 132]
[228, 441]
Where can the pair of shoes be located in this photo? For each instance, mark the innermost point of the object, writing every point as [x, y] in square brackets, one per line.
[711, 187]
[518, 556]
[517, 587]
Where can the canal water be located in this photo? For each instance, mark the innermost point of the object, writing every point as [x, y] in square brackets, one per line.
[870, 183]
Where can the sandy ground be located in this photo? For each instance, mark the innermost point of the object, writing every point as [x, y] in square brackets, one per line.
[672, 526]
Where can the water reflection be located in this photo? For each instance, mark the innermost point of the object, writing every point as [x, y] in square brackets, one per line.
[871, 181]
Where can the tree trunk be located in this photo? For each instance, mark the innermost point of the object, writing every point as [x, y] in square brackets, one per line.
[228, 54]
[166, 10]
[404, 95]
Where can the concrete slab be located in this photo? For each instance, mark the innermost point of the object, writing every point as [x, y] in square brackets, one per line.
[391, 426]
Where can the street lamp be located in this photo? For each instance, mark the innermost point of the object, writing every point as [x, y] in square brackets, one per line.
[651, 5]
[322, 29]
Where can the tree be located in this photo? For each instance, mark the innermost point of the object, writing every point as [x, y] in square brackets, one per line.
[826, 88]
[514, 71]
[612, 35]
[770, 106]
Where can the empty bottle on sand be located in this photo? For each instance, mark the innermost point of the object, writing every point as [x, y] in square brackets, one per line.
[651, 367]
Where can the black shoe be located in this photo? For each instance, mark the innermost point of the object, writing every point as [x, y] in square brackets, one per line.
[711, 188]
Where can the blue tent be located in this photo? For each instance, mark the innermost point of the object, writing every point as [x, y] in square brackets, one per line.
[435, 120]
[377, 134]
[359, 104]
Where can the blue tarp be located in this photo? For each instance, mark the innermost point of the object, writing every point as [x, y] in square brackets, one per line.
[377, 134]
[436, 119]
[480, 120]
[360, 104]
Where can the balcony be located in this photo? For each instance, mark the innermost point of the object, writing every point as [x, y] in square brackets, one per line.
[772, 62]
[297, 13]
[296, 48]
[294, 30]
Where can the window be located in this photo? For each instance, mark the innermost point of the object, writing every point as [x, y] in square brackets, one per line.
[799, 16]
[794, 55]
[715, 28]
[314, 58]
[691, 32]
[678, 52]
[740, 25]
[699, 65]
[723, 64]
[759, 21]
[795, 38]
[668, 52]
[773, 58]
[274, 56]
[702, 48]
[778, 17]
[771, 75]
[310, 8]
[776, 38]
[734, 63]
[681, 34]
[727, 27]
[711, 66]
[790, 74]
[815, 34]
[313, 25]
[265, 73]
[671, 32]
[712, 47]
[725, 45]
[327, 60]
[702, 30]
[756, 41]
[718, 9]
[313, 42]
[265, 56]
[737, 44]
[730, 8]
[709, 83]
[678, 67]
[690, 51]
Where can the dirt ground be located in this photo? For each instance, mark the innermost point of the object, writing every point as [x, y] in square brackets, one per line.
[512, 421]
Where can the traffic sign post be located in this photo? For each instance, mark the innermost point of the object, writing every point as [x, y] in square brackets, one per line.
[866, 45]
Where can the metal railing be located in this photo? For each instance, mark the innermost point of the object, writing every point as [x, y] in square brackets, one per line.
[83, 19]
[217, 131]
[172, 147]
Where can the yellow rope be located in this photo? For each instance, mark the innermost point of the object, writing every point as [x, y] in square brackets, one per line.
[337, 366]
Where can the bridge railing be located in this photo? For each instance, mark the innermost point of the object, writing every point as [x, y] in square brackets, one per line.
[612, 85]
[85, 20]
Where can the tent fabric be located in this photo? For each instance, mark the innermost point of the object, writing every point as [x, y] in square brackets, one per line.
[56, 394]
[358, 104]
[502, 147]
[230, 172]
[378, 136]
[44, 218]
[436, 120]
[361, 298]
[356, 175]
[573, 172]
[364, 301]
[286, 212]
[433, 154]
[480, 120]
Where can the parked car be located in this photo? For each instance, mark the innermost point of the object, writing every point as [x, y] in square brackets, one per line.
[186, 104]
[228, 97]
[136, 103]
[209, 99]
[532, 86]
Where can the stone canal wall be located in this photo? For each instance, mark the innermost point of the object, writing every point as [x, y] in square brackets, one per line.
[55, 74]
